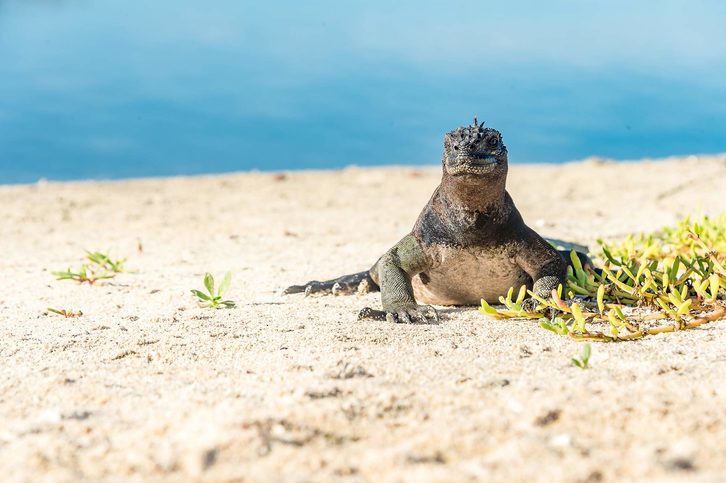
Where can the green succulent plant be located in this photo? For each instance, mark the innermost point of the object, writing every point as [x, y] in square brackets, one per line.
[676, 274]
[212, 299]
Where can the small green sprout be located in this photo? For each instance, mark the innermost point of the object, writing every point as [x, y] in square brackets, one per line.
[66, 313]
[85, 274]
[211, 299]
[105, 261]
[584, 360]
[558, 326]
[98, 266]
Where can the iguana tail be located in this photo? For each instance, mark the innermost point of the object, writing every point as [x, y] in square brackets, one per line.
[345, 285]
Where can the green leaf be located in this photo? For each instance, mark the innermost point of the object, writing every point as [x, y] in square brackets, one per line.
[209, 283]
[700, 289]
[675, 267]
[685, 307]
[641, 270]
[614, 321]
[538, 298]
[579, 318]
[628, 273]
[684, 292]
[559, 328]
[523, 293]
[487, 309]
[225, 283]
[579, 272]
[546, 325]
[576, 288]
[586, 353]
[620, 313]
[610, 257]
[201, 295]
[584, 359]
[571, 274]
[714, 284]
[600, 298]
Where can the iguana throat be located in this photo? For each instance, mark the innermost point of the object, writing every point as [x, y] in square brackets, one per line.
[473, 194]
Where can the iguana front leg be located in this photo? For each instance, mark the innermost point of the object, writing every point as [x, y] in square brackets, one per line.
[392, 273]
[544, 265]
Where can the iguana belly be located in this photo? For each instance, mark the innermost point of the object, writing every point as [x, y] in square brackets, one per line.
[465, 276]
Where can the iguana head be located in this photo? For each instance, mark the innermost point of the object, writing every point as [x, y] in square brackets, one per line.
[475, 152]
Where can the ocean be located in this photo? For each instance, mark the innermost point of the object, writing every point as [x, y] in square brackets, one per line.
[117, 89]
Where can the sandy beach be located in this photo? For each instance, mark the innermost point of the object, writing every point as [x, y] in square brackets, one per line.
[147, 386]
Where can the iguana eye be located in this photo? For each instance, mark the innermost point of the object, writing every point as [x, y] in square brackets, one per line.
[493, 141]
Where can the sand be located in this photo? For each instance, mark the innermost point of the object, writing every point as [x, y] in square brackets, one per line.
[148, 386]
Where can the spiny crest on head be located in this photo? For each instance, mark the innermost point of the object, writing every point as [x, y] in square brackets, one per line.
[470, 133]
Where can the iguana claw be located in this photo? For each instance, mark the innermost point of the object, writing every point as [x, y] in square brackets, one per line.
[529, 304]
[418, 314]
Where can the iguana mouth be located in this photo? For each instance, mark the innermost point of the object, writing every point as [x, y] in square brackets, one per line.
[480, 160]
[474, 164]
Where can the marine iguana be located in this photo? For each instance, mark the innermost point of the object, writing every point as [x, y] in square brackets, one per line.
[469, 242]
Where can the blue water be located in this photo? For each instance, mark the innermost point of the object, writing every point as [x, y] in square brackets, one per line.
[125, 88]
